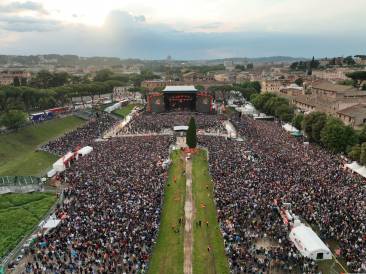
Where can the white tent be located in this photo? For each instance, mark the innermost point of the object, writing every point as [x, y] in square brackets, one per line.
[309, 244]
[51, 173]
[59, 165]
[85, 151]
[355, 167]
[289, 128]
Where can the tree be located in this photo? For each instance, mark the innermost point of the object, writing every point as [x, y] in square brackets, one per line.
[363, 154]
[308, 122]
[16, 82]
[192, 134]
[349, 61]
[299, 82]
[240, 67]
[317, 127]
[200, 88]
[297, 121]
[362, 135]
[336, 136]
[250, 66]
[355, 153]
[357, 76]
[13, 119]
[103, 75]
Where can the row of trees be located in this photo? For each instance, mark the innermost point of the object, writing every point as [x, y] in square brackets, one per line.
[327, 131]
[28, 98]
[320, 128]
[273, 105]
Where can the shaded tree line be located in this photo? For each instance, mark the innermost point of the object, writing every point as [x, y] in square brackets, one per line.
[274, 105]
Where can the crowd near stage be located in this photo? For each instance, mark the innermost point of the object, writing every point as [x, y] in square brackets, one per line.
[180, 98]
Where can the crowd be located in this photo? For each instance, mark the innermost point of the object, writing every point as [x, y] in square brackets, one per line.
[255, 177]
[82, 136]
[110, 214]
[157, 123]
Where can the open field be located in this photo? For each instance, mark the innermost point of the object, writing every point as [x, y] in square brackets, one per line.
[167, 256]
[124, 111]
[19, 214]
[204, 261]
[17, 149]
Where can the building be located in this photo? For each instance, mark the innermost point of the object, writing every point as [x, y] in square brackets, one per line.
[152, 84]
[273, 86]
[120, 93]
[225, 77]
[292, 90]
[192, 77]
[7, 77]
[333, 74]
[354, 116]
[344, 102]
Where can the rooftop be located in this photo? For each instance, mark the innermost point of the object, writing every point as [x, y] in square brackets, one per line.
[186, 89]
[354, 111]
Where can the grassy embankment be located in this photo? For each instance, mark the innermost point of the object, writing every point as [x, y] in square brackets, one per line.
[17, 149]
[204, 261]
[19, 214]
[167, 257]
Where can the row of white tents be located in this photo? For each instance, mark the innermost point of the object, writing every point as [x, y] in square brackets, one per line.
[61, 164]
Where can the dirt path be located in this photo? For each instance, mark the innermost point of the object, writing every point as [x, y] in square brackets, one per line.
[188, 227]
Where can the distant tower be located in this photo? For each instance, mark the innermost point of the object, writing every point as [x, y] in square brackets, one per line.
[169, 74]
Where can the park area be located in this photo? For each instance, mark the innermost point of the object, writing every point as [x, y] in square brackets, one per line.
[18, 155]
[168, 252]
[124, 111]
[207, 235]
[19, 214]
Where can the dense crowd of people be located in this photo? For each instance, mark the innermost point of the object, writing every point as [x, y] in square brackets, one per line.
[111, 211]
[255, 177]
[157, 123]
[81, 136]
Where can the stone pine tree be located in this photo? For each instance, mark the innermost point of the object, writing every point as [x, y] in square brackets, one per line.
[192, 134]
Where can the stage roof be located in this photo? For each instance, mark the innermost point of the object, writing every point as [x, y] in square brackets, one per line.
[180, 89]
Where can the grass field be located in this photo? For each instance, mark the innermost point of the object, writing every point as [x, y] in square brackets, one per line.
[205, 236]
[19, 214]
[17, 150]
[167, 256]
[124, 111]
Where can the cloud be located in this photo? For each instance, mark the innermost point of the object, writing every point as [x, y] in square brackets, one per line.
[15, 7]
[27, 24]
[125, 35]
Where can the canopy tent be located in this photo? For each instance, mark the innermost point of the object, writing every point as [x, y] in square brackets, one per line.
[309, 244]
[297, 133]
[51, 173]
[116, 106]
[180, 128]
[60, 164]
[85, 151]
[289, 128]
[355, 167]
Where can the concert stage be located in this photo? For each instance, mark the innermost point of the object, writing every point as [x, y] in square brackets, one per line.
[179, 98]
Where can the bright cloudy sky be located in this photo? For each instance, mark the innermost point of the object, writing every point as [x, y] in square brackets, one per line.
[190, 29]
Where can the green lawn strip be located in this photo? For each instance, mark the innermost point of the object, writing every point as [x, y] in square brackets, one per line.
[205, 236]
[124, 111]
[17, 149]
[19, 214]
[167, 256]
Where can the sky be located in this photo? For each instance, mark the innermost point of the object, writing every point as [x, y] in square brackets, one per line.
[189, 29]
